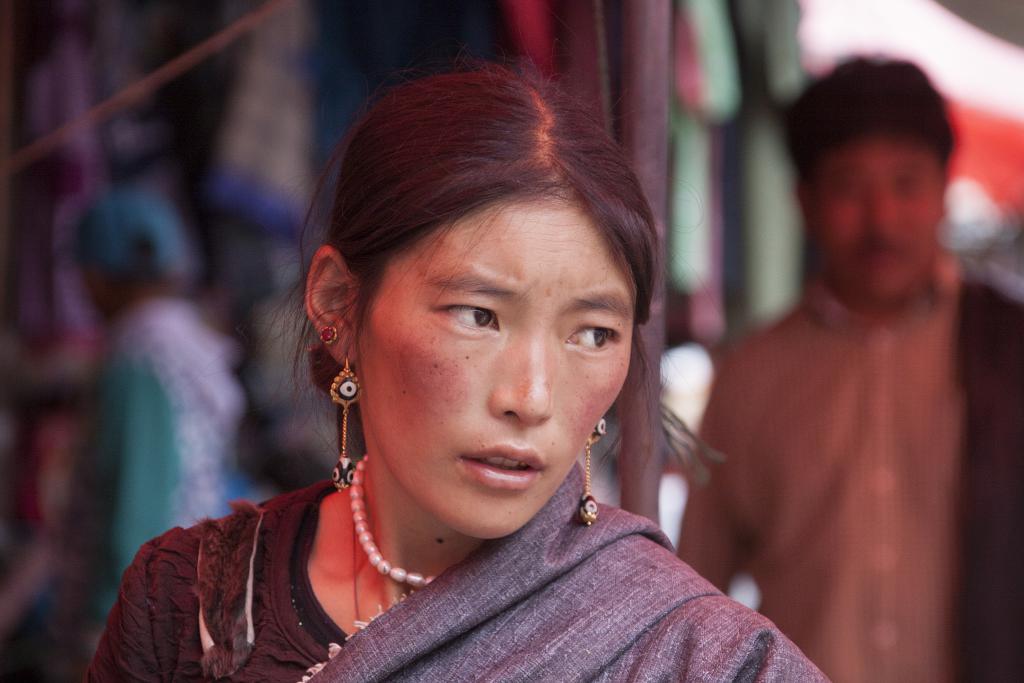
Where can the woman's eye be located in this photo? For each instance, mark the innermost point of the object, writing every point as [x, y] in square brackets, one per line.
[475, 317]
[593, 337]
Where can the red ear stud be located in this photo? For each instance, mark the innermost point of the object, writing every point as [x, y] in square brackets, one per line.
[328, 334]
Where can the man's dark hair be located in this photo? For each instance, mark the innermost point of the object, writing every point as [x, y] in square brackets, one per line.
[865, 97]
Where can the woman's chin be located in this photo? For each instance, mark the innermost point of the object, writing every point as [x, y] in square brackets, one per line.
[497, 522]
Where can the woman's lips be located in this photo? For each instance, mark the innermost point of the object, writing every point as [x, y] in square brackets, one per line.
[504, 463]
[514, 471]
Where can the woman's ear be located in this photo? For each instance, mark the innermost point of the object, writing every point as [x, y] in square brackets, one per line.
[330, 298]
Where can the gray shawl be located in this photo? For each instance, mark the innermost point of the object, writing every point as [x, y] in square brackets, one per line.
[558, 601]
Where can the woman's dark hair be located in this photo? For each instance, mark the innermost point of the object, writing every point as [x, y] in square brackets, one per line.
[432, 151]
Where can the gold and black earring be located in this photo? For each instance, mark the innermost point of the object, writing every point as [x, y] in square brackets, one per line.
[344, 392]
[587, 512]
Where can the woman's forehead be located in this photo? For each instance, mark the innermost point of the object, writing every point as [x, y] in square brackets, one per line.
[543, 243]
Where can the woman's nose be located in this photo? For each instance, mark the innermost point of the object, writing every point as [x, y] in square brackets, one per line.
[523, 382]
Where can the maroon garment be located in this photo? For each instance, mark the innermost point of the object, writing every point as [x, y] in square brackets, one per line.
[153, 631]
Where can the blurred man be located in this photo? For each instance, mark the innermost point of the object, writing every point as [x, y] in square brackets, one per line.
[874, 482]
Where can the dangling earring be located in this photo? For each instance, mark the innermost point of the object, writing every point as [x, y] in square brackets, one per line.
[588, 504]
[344, 392]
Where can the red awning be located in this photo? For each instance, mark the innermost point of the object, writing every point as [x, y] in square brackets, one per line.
[990, 151]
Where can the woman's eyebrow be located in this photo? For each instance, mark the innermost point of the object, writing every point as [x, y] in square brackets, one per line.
[609, 302]
[473, 284]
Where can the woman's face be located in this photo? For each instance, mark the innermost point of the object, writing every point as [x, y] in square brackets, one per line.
[486, 358]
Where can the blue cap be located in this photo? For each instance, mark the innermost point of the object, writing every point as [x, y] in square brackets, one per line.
[132, 234]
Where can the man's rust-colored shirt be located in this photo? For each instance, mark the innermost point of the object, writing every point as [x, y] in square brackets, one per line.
[843, 442]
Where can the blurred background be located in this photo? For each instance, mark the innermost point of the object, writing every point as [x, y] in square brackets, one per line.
[228, 110]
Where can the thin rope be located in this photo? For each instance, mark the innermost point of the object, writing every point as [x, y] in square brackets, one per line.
[142, 88]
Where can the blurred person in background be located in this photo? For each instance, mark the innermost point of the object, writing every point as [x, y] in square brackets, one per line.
[160, 447]
[874, 437]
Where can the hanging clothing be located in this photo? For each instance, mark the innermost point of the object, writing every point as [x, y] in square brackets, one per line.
[363, 44]
[772, 242]
[50, 302]
[262, 167]
[552, 601]
[706, 94]
[531, 29]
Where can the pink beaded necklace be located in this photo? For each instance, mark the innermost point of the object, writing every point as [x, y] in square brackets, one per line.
[365, 537]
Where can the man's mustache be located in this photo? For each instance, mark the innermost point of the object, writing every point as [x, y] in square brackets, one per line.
[874, 245]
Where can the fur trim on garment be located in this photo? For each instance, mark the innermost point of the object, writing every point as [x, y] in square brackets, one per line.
[227, 546]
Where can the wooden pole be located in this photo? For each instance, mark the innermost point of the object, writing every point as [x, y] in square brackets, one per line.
[645, 98]
[6, 138]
